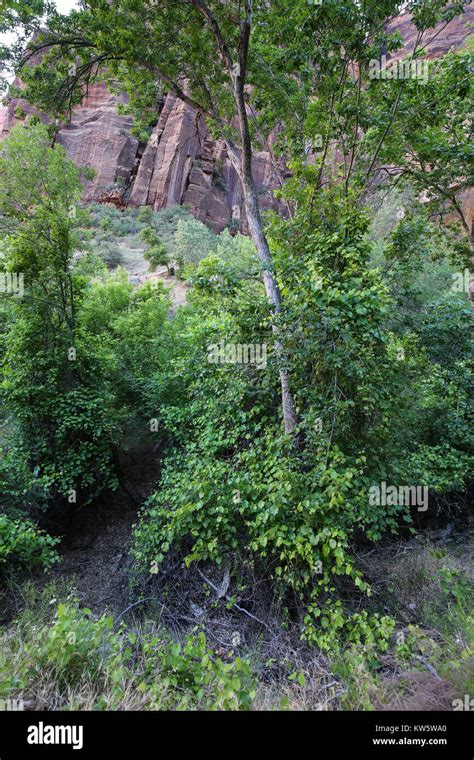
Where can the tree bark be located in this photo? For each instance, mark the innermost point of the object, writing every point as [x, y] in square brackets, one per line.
[257, 234]
[242, 161]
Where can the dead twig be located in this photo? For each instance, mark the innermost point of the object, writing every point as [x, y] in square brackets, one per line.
[234, 604]
[427, 665]
[131, 606]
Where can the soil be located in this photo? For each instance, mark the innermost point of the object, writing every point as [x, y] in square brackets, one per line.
[96, 540]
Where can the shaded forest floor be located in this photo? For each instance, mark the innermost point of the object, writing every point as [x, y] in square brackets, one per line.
[421, 671]
[95, 550]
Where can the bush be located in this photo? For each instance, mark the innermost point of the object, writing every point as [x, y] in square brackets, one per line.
[23, 545]
[78, 661]
[63, 410]
[90, 265]
[192, 242]
[156, 254]
[145, 214]
[110, 253]
[20, 490]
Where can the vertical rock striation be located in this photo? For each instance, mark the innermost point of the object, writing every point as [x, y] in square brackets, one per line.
[181, 163]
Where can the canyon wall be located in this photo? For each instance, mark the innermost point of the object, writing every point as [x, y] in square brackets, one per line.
[181, 163]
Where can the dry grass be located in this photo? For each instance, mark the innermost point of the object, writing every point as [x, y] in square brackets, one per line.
[427, 666]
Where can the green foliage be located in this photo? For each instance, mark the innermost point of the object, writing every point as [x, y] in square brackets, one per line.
[90, 266]
[156, 254]
[192, 242]
[77, 653]
[105, 225]
[192, 670]
[450, 611]
[233, 485]
[432, 144]
[432, 323]
[110, 253]
[20, 489]
[61, 405]
[23, 545]
[115, 313]
[145, 214]
[70, 363]
[54, 378]
[213, 274]
[77, 645]
[149, 235]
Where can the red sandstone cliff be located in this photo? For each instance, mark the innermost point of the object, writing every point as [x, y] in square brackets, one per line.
[181, 163]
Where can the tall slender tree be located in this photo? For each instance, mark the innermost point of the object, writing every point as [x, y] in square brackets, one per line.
[251, 68]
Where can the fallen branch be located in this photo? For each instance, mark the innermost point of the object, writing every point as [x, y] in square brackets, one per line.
[131, 606]
[234, 604]
[427, 665]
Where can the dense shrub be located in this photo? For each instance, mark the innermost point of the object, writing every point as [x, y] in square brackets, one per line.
[80, 661]
[110, 253]
[192, 242]
[23, 545]
[235, 487]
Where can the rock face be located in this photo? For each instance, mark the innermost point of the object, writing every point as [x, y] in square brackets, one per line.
[99, 137]
[181, 163]
[442, 39]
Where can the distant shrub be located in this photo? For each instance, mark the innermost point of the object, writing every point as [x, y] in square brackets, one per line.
[192, 242]
[126, 226]
[149, 235]
[105, 224]
[90, 265]
[157, 255]
[110, 253]
[238, 251]
[145, 214]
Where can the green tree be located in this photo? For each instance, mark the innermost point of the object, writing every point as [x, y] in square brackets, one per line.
[157, 253]
[429, 149]
[249, 68]
[192, 242]
[54, 374]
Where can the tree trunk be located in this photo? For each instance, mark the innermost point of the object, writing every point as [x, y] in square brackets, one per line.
[271, 288]
[242, 161]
